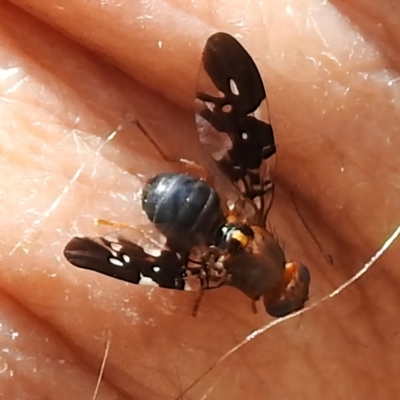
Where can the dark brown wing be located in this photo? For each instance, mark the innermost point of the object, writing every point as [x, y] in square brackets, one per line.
[122, 259]
[232, 118]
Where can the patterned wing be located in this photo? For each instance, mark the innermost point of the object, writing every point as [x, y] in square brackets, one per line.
[122, 259]
[233, 121]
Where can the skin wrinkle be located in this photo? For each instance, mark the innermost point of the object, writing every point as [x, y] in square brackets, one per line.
[378, 24]
[318, 130]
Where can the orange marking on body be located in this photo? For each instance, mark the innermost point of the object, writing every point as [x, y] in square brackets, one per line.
[289, 277]
[241, 238]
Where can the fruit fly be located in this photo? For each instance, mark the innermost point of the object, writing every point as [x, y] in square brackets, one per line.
[205, 239]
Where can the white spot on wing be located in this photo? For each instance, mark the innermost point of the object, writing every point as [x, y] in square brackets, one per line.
[116, 262]
[126, 258]
[233, 87]
[227, 108]
[116, 246]
[146, 281]
[209, 105]
[153, 252]
[156, 268]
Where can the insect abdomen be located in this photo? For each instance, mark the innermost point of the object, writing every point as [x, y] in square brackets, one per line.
[185, 209]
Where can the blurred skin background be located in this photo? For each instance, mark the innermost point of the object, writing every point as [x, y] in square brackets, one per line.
[330, 70]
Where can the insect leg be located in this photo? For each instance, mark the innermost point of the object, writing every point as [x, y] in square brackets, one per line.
[205, 285]
[202, 272]
[193, 168]
[196, 304]
[210, 272]
[254, 307]
[117, 225]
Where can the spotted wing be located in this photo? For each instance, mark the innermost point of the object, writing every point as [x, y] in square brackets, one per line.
[232, 118]
[127, 261]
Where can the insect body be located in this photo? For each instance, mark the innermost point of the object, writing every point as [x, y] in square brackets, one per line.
[241, 140]
[185, 209]
[235, 246]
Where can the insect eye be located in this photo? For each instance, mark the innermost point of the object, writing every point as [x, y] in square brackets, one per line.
[246, 230]
[233, 87]
[304, 275]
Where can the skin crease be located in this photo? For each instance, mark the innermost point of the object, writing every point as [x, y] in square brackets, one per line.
[333, 95]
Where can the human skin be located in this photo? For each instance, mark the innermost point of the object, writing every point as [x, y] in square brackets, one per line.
[333, 90]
